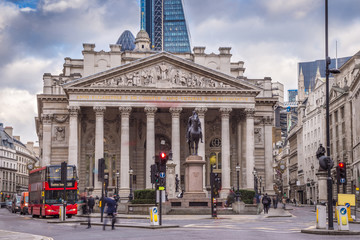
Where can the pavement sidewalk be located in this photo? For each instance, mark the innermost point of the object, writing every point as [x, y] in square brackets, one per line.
[19, 235]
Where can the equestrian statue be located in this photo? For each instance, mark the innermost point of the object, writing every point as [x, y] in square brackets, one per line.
[194, 133]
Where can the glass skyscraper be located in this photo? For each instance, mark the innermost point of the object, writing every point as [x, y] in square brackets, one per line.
[292, 94]
[309, 70]
[164, 21]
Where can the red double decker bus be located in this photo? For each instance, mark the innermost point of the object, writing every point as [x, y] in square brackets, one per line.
[46, 191]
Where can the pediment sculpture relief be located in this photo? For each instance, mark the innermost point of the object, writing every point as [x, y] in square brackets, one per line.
[160, 75]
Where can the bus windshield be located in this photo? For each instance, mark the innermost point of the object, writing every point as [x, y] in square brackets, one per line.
[56, 196]
[55, 173]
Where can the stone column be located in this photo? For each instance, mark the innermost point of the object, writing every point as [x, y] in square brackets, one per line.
[250, 147]
[150, 142]
[201, 113]
[125, 156]
[239, 147]
[175, 137]
[225, 151]
[73, 154]
[99, 141]
[268, 121]
[47, 133]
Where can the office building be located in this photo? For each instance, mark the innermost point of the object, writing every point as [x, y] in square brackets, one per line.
[164, 21]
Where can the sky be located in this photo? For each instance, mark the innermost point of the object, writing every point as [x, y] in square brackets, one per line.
[270, 36]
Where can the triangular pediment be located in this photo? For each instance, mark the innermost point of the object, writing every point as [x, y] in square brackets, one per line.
[319, 82]
[161, 71]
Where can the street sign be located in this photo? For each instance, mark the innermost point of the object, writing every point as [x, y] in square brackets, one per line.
[162, 174]
[342, 180]
[343, 211]
[161, 188]
[288, 109]
[347, 205]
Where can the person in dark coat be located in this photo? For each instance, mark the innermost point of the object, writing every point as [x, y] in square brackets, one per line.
[91, 204]
[275, 201]
[110, 205]
[83, 203]
[266, 201]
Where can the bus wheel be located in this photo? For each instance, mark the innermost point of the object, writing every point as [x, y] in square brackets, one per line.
[69, 216]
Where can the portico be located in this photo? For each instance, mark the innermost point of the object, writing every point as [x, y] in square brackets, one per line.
[122, 114]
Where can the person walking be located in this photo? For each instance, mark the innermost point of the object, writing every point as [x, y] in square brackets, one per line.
[284, 202]
[110, 205]
[91, 204]
[275, 202]
[266, 203]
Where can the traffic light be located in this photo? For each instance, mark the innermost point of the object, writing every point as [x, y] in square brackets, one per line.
[101, 168]
[326, 162]
[156, 177]
[342, 173]
[63, 172]
[163, 158]
[154, 170]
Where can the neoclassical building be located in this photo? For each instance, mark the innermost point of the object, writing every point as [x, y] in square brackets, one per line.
[127, 106]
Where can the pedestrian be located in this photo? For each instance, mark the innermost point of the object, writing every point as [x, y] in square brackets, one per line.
[91, 204]
[88, 211]
[266, 203]
[256, 201]
[284, 202]
[275, 202]
[110, 204]
[230, 198]
[83, 203]
[295, 201]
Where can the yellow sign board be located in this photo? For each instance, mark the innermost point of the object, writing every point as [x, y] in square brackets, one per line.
[346, 198]
[42, 194]
[161, 188]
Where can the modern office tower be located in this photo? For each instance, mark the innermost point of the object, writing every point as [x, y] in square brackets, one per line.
[309, 70]
[292, 94]
[164, 21]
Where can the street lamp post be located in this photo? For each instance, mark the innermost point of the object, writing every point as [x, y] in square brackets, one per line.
[260, 180]
[117, 182]
[237, 175]
[255, 181]
[327, 73]
[130, 175]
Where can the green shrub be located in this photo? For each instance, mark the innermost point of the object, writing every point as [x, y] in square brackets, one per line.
[146, 196]
[247, 196]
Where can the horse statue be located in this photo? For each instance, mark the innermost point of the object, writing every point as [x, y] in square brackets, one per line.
[194, 133]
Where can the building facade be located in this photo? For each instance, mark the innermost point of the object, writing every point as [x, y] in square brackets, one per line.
[15, 158]
[344, 140]
[310, 70]
[7, 165]
[292, 94]
[164, 21]
[122, 105]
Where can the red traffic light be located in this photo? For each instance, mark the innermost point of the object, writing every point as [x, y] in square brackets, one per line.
[162, 155]
[341, 164]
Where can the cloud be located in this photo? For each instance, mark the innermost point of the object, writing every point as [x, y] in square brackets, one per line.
[62, 5]
[26, 74]
[295, 9]
[18, 110]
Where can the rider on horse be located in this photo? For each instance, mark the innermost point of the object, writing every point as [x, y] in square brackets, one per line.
[194, 132]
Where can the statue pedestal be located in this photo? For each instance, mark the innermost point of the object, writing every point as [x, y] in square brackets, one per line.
[194, 177]
[170, 180]
[322, 183]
